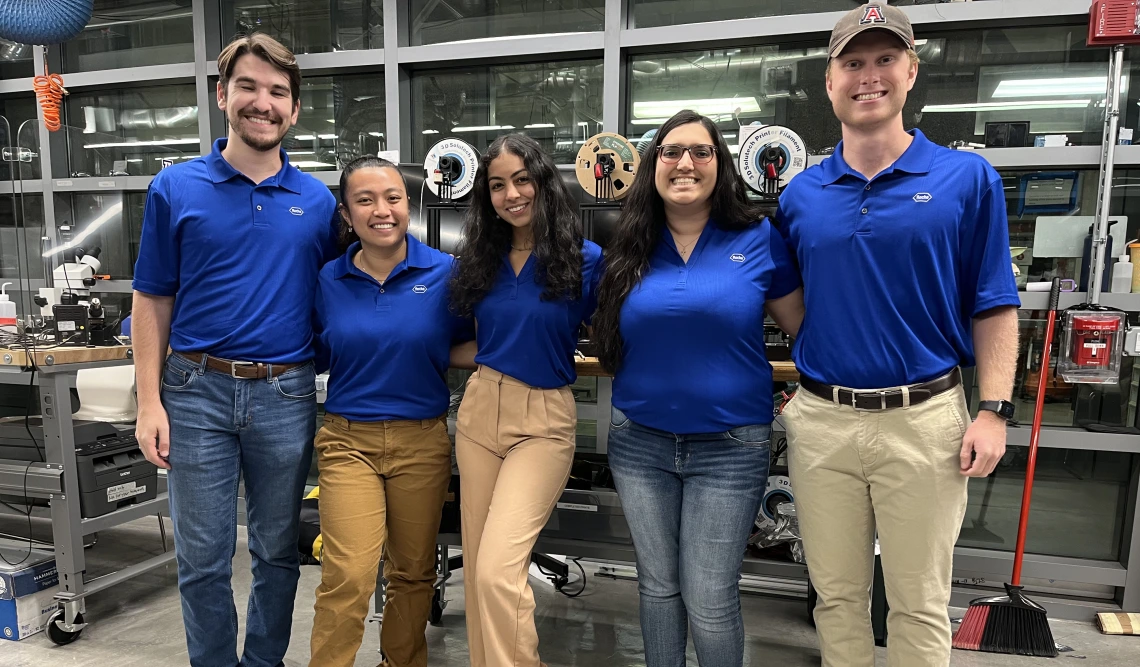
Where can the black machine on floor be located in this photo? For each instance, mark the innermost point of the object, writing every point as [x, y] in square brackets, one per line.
[112, 470]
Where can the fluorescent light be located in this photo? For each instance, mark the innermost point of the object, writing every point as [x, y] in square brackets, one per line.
[1005, 106]
[430, 132]
[300, 153]
[535, 126]
[305, 137]
[707, 107]
[582, 124]
[647, 121]
[482, 128]
[112, 211]
[564, 143]
[132, 144]
[331, 120]
[1077, 85]
[326, 136]
[311, 164]
[134, 159]
[376, 134]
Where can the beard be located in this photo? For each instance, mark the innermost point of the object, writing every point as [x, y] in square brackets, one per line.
[258, 142]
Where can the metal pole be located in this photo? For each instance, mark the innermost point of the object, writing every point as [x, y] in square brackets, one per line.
[1104, 191]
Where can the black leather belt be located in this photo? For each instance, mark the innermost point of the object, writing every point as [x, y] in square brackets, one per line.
[884, 399]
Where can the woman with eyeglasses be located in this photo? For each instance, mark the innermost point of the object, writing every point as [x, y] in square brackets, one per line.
[691, 271]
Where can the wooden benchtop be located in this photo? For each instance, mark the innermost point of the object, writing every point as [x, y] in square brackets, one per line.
[18, 357]
[782, 371]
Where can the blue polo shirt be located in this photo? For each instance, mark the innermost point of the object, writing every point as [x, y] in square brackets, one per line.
[241, 260]
[387, 347]
[895, 269]
[530, 339]
[693, 353]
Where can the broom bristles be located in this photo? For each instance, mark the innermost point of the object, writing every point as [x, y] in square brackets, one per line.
[1011, 624]
[969, 635]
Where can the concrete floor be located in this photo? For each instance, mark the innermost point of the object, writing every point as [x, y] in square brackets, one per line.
[138, 624]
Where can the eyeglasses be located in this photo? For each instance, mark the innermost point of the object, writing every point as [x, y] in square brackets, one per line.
[701, 153]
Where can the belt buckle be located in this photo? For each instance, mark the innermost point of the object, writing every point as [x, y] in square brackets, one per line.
[234, 365]
[882, 394]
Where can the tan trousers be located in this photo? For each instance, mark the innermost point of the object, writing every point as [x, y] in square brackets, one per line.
[895, 471]
[382, 490]
[514, 444]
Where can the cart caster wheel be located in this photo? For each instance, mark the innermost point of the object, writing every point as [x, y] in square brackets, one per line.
[57, 634]
[436, 615]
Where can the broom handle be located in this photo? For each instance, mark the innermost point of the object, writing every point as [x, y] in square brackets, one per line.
[1035, 434]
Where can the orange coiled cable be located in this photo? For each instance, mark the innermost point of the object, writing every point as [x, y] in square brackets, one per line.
[50, 91]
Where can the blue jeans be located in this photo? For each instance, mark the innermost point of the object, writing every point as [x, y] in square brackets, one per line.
[691, 502]
[222, 427]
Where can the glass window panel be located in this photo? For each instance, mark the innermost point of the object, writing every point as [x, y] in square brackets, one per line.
[342, 118]
[433, 21]
[21, 226]
[132, 33]
[1078, 511]
[651, 13]
[110, 221]
[308, 26]
[131, 130]
[559, 104]
[19, 127]
[1043, 76]
[15, 60]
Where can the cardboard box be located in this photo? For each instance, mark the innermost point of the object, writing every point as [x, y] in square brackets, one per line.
[27, 590]
[34, 572]
[28, 615]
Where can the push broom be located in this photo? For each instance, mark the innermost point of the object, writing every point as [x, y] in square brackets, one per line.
[1012, 623]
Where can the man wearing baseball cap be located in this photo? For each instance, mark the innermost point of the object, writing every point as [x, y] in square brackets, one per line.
[903, 246]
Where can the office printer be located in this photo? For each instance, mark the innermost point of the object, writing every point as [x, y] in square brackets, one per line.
[112, 470]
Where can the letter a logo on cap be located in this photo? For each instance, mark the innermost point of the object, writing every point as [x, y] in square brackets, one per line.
[872, 14]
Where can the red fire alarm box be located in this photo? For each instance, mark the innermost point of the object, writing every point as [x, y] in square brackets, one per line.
[1114, 22]
[1092, 347]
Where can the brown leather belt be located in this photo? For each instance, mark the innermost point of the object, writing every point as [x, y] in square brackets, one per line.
[245, 370]
[884, 399]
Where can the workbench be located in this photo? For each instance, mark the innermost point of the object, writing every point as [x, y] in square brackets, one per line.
[55, 370]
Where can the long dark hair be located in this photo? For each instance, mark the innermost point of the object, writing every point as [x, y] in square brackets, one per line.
[640, 226]
[487, 239]
[347, 237]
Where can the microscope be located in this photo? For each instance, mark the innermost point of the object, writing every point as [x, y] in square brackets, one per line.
[67, 306]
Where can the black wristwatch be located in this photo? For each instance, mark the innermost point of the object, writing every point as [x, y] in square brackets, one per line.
[1004, 409]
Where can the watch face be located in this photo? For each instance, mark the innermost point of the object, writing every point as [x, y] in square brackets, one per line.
[1006, 409]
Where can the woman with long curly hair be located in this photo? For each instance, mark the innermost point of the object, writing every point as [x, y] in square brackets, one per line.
[529, 279]
[690, 273]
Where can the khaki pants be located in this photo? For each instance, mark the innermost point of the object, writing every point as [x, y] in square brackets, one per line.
[895, 471]
[514, 444]
[382, 489]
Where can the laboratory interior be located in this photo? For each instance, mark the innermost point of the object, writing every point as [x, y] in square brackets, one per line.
[1040, 89]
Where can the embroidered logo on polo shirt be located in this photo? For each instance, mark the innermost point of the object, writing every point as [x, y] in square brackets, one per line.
[737, 257]
[296, 210]
[923, 197]
[872, 14]
[419, 289]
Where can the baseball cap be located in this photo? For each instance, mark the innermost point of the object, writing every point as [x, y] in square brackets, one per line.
[871, 16]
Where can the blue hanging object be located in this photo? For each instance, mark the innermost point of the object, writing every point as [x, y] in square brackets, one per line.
[43, 21]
